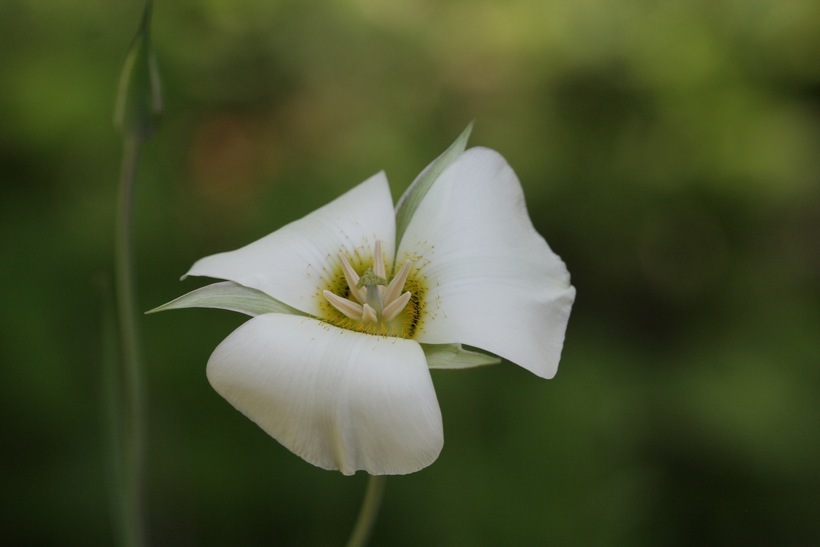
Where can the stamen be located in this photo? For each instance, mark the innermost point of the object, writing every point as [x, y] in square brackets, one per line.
[352, 279]
[368, 314]
[396, 306]
[378, 261]
[350, 309]
[397, 284]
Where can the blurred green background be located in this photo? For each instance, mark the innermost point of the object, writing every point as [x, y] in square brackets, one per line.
[669, 151]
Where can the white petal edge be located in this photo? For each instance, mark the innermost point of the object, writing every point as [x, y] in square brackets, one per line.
[493, 282]
[339, 399]
[293, 264]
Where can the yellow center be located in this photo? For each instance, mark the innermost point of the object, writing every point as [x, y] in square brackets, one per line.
[370, 302]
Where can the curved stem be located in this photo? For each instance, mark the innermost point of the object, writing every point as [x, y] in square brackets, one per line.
[368, 513]
[132, 408]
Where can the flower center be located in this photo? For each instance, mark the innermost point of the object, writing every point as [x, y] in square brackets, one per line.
[368, 303]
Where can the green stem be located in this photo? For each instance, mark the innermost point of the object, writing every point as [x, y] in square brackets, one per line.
[368, 513]
[132, 409]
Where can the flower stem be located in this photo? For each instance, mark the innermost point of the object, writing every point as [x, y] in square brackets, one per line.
[368, 512]
[136, 115]
[132, 408]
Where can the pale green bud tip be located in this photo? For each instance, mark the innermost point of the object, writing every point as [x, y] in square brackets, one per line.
[139, 98]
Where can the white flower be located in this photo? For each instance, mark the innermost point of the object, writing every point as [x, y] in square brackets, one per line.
[348, 318]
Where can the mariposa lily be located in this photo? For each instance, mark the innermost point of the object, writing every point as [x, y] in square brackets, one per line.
[352, 305]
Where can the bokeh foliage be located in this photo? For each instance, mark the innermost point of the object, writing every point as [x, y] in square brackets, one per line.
[670, 153]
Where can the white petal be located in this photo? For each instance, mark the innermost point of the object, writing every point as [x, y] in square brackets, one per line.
[292, 264]
[492, 280]
[337, 398]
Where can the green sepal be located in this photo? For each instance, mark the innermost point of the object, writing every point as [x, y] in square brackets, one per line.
[455, 356]
[139, 97]
[413, 196]
[227, 295]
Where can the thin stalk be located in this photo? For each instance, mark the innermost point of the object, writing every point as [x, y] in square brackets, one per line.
[132, 410]
[368, 513]
[112, 409]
